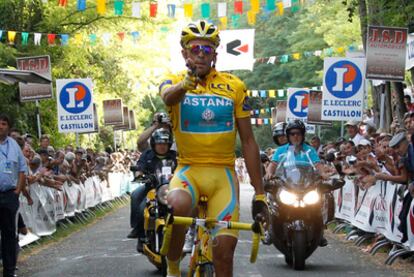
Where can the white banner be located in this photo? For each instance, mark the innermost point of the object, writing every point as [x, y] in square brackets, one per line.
[236, 50]
[75, 105]
[343, 89]
[409, 63]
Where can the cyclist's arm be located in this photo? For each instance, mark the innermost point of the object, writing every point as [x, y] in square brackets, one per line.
[250, 153]
[173, 94]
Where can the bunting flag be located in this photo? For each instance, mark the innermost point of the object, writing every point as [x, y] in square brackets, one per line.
[121, 36]
[287, 3]
[37, 38]
[51, 39]
[25, 38]
[221, 9]
[101, 7]
[295, 6]
[135, 36]
[251, 17]
[255, 6]
[11, 35]
[64, 39]
[153, 9]
[270, 5]
[188, 10]
[78, 38]
[205, 10]
[136, 9]
[171, 10]
[81, 6]
[280, 8]
[238, 7]
[92, 39]
[1, 34]
[223, 23]
[119, 7]
[235, 21]
[106, 39]
[63, 3]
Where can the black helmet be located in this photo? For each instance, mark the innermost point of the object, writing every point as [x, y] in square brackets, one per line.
[296, 124]
[161, 136]
[278, 130]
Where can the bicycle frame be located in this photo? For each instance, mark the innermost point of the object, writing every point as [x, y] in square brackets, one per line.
[202, 252]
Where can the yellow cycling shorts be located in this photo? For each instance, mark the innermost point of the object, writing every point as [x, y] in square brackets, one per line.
[220, 186]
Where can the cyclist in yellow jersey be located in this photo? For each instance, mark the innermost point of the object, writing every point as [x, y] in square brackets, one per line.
[207, 108]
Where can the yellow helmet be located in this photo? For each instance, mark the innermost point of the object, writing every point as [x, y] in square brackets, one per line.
[200, 29]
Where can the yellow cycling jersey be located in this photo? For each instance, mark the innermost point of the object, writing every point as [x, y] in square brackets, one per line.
[204, 122]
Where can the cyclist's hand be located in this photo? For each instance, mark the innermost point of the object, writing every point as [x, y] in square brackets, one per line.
[189, 82]
[260, 209]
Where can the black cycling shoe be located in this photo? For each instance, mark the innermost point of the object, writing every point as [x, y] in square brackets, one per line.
[133, 234]
[323, 242]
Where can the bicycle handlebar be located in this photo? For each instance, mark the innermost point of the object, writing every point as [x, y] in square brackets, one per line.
[255, 227]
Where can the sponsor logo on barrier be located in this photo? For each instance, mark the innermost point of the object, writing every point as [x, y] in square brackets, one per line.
[75, 97]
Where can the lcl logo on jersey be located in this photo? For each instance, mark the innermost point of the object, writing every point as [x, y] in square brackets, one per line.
[298, 103]
[75, 97]
[343, 79]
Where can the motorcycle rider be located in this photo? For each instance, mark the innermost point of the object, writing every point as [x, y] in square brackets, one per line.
[278, 134]
[295, 133]
[149, 162]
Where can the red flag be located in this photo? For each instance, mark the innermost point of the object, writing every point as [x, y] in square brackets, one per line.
[62, 3]
[238, 7]
[51, 39]
[121, 36]
[153, 9]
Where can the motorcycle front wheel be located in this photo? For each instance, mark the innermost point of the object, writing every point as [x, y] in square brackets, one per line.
[299, 250]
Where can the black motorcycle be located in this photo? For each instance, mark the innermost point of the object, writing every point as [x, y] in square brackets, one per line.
[296, 198]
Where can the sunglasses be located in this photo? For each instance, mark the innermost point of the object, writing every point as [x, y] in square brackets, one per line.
[196, 49]
[295, 134]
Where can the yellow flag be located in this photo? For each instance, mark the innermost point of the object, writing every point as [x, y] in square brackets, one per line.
[340, 50]
[251, 17]
[11, 36]
[262, 111]
[296, 56]
[272, 93]
[280, 8]
[78, 38]
[188, 10]
[249, 93]
[271, 120]
[223, 23]
[101, 7]
[255, 6]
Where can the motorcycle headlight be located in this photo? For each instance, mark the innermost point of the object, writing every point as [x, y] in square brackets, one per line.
[162, 194]
[311, 197]
[287, 198]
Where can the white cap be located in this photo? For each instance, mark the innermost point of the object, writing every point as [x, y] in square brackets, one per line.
[364, 142]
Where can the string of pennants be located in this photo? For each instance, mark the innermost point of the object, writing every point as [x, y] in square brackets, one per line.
[261, 121]
[240, 7]
[272, 93]
[328, 52]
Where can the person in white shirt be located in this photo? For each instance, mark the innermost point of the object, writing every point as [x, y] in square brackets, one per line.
[352, 129]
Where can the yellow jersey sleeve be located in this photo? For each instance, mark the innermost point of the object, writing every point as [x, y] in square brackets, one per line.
[242, 107]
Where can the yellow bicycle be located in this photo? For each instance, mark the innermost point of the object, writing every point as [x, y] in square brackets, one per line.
[201, 260]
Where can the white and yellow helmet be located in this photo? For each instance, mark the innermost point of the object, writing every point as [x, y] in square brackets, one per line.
[200, 30]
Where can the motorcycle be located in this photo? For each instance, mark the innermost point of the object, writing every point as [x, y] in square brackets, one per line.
[296, 199]
[155, 212]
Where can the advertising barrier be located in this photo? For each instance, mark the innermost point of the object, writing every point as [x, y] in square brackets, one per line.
[51, 205]
[374, 210]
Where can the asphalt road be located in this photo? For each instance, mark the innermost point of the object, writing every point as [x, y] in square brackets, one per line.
[103, 250]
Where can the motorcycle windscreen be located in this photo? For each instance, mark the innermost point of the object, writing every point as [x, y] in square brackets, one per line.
[296, 170]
